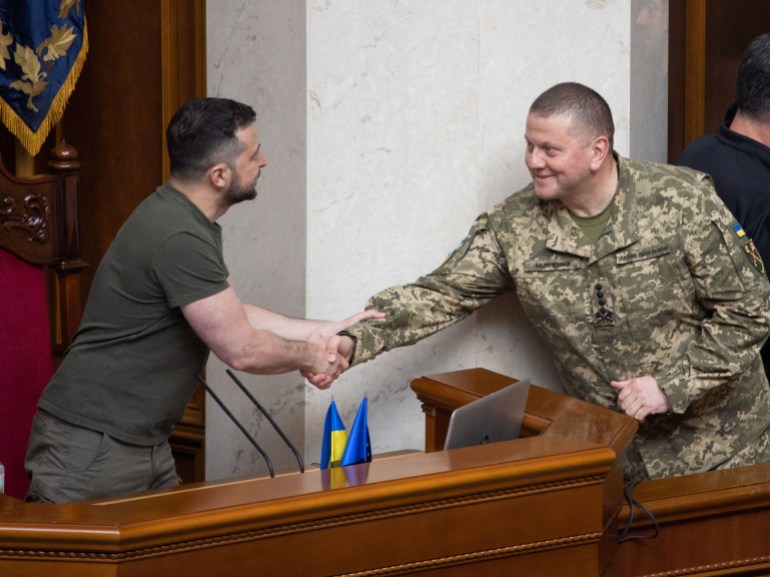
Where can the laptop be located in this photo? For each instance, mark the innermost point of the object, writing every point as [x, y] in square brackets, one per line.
[496, 417]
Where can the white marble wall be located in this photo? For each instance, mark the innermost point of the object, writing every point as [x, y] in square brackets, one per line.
[649, 81]
[389, 125]
[257, 54]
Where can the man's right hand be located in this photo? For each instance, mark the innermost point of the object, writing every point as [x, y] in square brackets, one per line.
[338, 351]
[331, 360]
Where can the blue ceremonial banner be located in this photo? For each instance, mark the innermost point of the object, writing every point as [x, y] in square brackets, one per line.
[334, 439]
[358, 448]
[43, 46]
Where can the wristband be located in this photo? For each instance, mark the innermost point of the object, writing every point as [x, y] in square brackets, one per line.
[355, 343]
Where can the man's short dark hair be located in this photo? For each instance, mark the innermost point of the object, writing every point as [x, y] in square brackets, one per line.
[583, 104]
[753, 84]
[202, 134]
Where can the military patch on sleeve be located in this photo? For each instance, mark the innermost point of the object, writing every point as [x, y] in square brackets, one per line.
[751, 250]
[451, 254]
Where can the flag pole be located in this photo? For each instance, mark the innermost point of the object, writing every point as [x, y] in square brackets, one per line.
[25, 162]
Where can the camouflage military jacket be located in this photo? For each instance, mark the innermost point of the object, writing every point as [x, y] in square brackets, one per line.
[672, 289]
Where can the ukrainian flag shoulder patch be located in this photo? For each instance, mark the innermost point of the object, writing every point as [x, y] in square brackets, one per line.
[750, 249]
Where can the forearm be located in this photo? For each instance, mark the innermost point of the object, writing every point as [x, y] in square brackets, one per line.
[286, 327]
[412, 312]
[475, 273]
[221, 322]
[264, 352]
[726, 349]
[472, 276]
[736, 295]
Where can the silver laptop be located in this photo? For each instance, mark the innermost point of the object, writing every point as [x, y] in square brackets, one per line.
[496, 417]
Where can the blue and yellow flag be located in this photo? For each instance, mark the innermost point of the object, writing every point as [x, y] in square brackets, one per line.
[358, 448]
[334, 440]
[43, 46]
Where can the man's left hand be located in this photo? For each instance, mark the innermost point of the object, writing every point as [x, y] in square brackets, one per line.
[641, 396]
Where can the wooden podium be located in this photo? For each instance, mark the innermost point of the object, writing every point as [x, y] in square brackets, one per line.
[714, 523]
[544, 505]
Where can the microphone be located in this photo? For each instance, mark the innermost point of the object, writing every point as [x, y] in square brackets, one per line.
[238, 424]
[269, 418]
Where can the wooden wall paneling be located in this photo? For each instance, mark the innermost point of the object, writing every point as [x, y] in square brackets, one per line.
[183, 58]
[687, 26]
[730, 27]
[707, 39]
[695, 68]
[113, 119]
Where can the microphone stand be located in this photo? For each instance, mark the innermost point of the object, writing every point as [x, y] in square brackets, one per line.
[269, 418]
[238, 424]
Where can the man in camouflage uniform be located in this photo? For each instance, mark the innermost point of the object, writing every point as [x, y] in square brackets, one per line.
[642, 284]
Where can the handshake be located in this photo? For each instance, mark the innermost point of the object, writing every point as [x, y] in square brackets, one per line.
[331, 353]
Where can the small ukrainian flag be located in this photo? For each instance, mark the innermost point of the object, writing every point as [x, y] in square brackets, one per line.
[739, 230]
[334, 440]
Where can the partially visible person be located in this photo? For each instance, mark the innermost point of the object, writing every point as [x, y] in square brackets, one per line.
[161, 300]
[636, 277]
[738, 156]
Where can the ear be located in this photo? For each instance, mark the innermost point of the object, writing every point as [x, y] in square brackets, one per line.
[219, 175]
[600, 149]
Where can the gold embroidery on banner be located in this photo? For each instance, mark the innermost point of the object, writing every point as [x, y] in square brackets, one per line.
[35, 66]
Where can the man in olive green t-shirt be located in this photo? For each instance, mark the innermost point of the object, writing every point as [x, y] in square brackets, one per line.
[160, 301]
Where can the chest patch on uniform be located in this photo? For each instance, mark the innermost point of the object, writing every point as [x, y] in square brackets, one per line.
[642, 254]
[548, 264]
[601, 303]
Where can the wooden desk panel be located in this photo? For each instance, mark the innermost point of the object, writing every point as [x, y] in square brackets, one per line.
[444, 513]
[549, 414]
[714, 523]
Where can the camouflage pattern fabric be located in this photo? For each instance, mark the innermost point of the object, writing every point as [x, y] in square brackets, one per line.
[672, 289]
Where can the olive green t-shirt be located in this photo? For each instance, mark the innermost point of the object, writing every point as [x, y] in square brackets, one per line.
[131, 369]
[593, 226]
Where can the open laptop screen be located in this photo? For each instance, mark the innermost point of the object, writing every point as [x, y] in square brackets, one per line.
[496, 417]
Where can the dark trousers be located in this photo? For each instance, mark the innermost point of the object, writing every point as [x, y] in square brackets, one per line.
[69, 463]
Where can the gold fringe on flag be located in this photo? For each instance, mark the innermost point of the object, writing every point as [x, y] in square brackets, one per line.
[33, 141]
